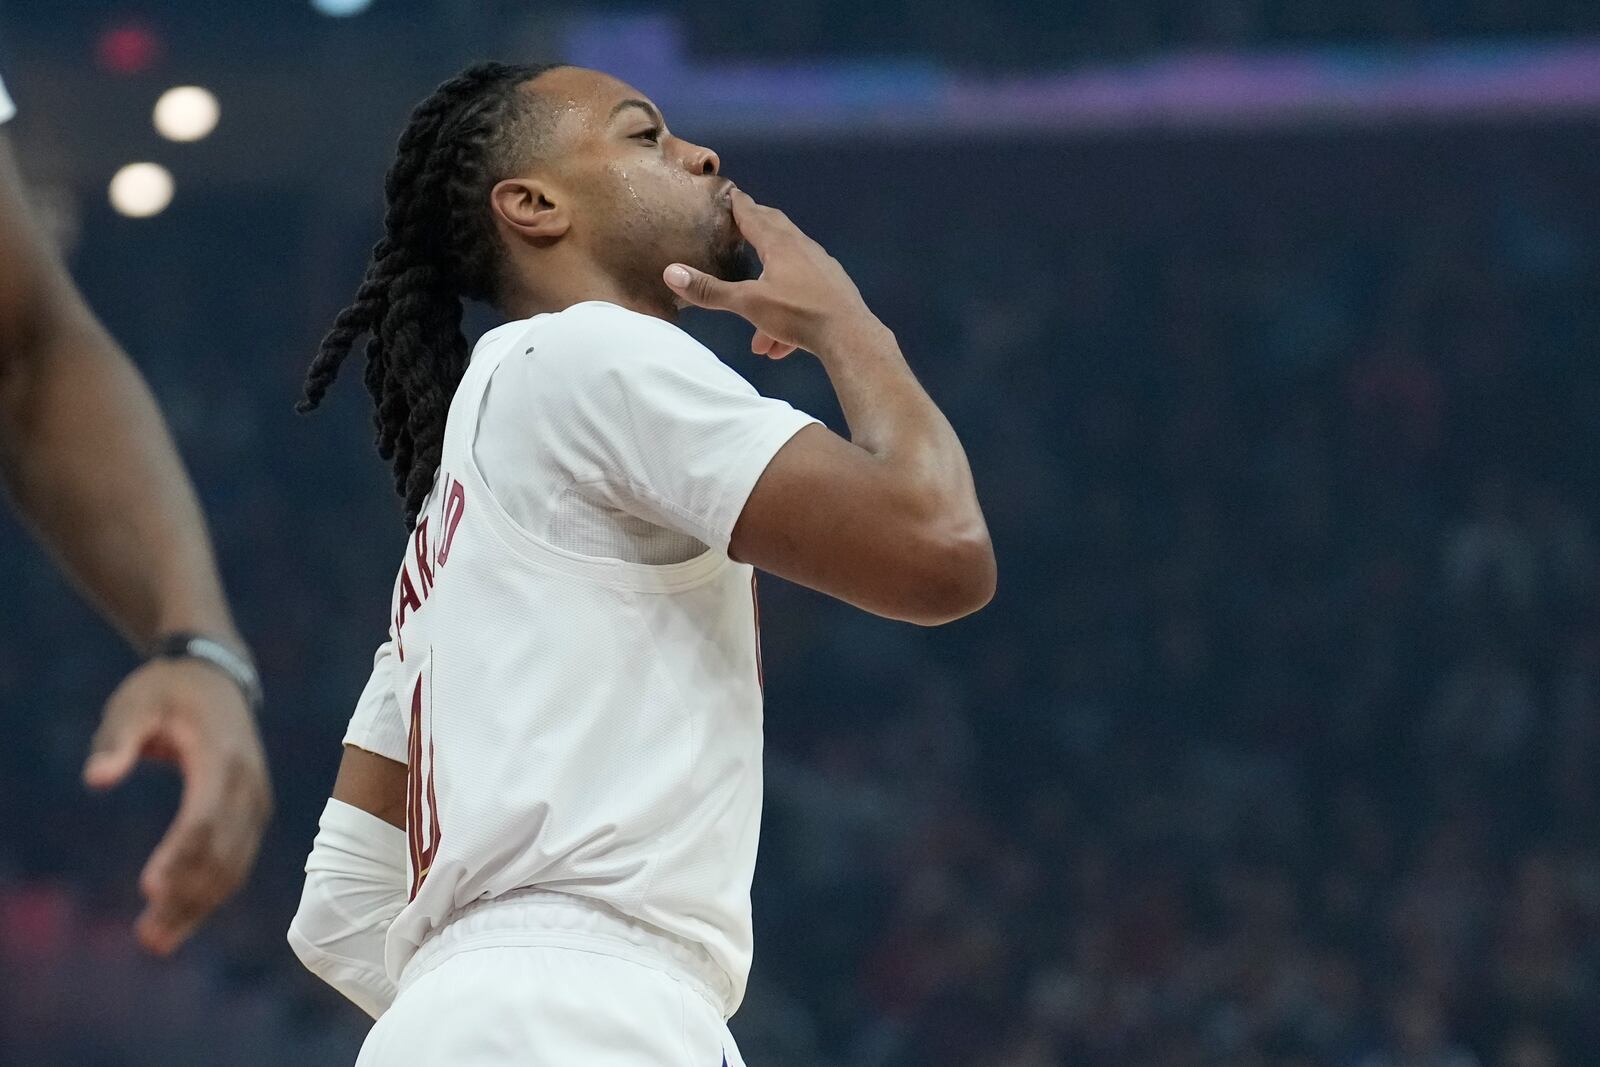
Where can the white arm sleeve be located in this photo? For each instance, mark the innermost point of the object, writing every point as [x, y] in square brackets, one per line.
[636, 413]
[355, 886]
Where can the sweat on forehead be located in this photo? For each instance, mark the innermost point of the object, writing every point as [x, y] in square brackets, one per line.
[582, 100]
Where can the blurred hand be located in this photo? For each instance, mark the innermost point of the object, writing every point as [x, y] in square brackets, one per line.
[187, 713]
[803, 299]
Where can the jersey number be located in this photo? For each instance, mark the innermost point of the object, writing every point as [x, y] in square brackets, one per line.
[422, 806]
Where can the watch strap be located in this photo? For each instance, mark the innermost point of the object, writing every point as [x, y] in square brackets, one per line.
[187, 644]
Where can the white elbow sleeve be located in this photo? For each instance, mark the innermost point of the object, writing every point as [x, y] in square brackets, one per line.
[355, 886]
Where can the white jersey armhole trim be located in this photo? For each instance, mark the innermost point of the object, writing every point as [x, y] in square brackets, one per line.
[636, 577]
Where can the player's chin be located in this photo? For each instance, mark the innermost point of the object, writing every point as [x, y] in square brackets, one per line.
[735, 261]
[730, 256]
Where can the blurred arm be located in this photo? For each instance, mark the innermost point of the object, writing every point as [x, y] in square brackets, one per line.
[84, 451]
[86, 456]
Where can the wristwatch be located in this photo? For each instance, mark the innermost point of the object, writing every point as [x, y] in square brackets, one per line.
[186, 644]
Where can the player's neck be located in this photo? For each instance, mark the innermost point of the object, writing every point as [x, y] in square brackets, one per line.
[560, 289]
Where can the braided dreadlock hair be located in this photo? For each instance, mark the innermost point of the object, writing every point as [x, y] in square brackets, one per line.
[439, 247]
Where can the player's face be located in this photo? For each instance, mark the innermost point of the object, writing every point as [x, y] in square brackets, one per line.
[642, 198]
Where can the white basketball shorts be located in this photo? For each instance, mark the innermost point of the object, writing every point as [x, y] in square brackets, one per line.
[546, 980]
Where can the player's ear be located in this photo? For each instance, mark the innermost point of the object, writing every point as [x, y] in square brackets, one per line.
[531, 207]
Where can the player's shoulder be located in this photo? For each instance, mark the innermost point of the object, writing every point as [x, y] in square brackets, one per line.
[601, 334]
[595, 341]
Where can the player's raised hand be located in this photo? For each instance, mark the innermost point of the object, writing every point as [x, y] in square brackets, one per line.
[186, 713]
[803, 299]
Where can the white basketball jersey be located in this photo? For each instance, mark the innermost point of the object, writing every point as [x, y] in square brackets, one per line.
[572, 721]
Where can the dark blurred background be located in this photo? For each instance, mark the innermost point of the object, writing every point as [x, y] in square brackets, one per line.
[1271, 327]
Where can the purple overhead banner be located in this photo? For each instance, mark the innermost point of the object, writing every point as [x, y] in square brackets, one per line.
[1182, 91]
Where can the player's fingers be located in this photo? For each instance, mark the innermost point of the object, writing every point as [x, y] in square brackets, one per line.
[205, 853]
[759, 224]
[781, 351]
[124, 729]
[159, 933]
[761, 343]
[166, 923]
[184, 886]
[183, 881]
[703, 290]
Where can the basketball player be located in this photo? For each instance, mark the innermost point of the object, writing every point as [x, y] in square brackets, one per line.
[87, 459]
[544, 827]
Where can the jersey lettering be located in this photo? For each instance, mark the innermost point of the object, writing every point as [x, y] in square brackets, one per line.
[455, 506]
[422, 804]
[408, 598]
[420, 548]
[412, 593]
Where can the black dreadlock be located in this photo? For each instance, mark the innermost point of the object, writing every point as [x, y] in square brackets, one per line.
[438, 247]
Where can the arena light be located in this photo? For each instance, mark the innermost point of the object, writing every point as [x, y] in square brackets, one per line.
[128, 48]
[187, 113]
[341, 8]
[141, 190]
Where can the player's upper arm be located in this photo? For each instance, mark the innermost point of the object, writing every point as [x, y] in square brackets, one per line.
[375, 784]
[35, 294]
[635, 407]
[826, 514]
[372, 774]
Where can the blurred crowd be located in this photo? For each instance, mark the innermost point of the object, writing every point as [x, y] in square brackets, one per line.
[1280, 745]
[993, 34]
[1044, 32]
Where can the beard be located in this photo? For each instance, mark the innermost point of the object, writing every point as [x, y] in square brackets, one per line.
[735, 262]
[640, 244]
[728, 255]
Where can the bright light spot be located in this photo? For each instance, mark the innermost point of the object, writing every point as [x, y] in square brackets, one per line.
[141, 189]
[186, 113]
[341, 8]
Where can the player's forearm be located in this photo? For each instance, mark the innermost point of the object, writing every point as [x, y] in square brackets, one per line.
[892, 417]
[88, 460]
[355, 886]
